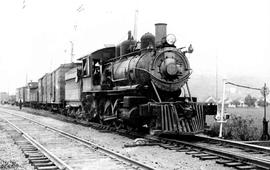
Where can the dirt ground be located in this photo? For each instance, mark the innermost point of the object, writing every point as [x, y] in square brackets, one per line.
[154, 156]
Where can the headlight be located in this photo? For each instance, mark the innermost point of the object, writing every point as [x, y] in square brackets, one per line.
[171, 39]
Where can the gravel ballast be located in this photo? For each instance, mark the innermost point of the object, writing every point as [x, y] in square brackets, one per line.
[11, 157]
[154, 156]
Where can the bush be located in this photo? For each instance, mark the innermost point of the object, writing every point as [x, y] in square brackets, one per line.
[237, 128]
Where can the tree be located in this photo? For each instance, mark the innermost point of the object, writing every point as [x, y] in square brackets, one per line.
[236, 102]
[261, 103]
[250, 101]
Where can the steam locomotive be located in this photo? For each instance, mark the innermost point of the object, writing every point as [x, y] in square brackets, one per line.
[135, 85]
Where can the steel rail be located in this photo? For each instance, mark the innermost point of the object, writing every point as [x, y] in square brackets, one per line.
[260, 162]
[58, 162]
[237, 143]
[89, 144]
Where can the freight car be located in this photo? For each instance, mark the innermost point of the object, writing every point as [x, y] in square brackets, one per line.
[137, 85]
[52, 88]
[42, 91]
[20, 94]
[31, 95]
[73, 92]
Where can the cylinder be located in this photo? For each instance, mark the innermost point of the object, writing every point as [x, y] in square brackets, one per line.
[161, 32]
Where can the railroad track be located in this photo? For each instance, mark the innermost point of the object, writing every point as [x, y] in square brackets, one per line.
[229, 153]
[49, 148]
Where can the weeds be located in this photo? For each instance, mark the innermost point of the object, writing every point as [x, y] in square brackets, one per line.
[8, 164]
[237, 128]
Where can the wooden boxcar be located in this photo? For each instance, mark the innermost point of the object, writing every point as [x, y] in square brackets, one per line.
[73, 87]
[31, 97]
[20, 94]
[42, 91]
[49, 87]
[58, 84]
[52, 87]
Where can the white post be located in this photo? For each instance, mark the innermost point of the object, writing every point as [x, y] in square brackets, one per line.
[222, 108]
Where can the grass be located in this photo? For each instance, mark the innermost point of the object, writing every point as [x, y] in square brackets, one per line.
[244, 123]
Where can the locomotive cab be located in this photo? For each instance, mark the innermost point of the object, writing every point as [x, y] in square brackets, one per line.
[93, 68]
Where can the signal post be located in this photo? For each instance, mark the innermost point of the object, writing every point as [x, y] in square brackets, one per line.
[265, 135]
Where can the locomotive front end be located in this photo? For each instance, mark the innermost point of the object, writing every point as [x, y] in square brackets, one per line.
[170, 69]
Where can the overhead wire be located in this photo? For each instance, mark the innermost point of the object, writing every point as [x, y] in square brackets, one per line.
[238, 85]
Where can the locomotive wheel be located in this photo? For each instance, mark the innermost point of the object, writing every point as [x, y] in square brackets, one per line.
[108, 109]
[117, 125]
[130, 128]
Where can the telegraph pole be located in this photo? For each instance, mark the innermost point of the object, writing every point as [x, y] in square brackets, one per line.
[135, 25]
[217, 78]
[71, 52]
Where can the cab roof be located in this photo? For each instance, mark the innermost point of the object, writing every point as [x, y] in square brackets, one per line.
[103, 54]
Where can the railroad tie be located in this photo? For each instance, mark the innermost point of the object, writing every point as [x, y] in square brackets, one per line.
[192, 152]
[233, 164]
[199, 155]
[183, 150]
[223, 161]
[43, 164]
[44, 160]
[48, 168]
[36, 157]
[246, 167]
[209, 157]
[171, 147]
[29, 149]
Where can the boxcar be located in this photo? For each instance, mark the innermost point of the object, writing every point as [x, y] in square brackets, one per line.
[49, 87]
[53, 85]
[20, 94]
[42, 91]
[31, 97]
[73, 87]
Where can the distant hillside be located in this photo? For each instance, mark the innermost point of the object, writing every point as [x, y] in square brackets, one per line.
[203, 86]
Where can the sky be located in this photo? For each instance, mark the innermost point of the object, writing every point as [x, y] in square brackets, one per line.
[231, 37]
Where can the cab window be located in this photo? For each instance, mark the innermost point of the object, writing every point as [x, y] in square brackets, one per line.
[85, 67]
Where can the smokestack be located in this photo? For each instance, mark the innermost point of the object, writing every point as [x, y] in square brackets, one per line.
[160, 32]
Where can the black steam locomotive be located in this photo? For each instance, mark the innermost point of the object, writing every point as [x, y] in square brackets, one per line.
[133, 85]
